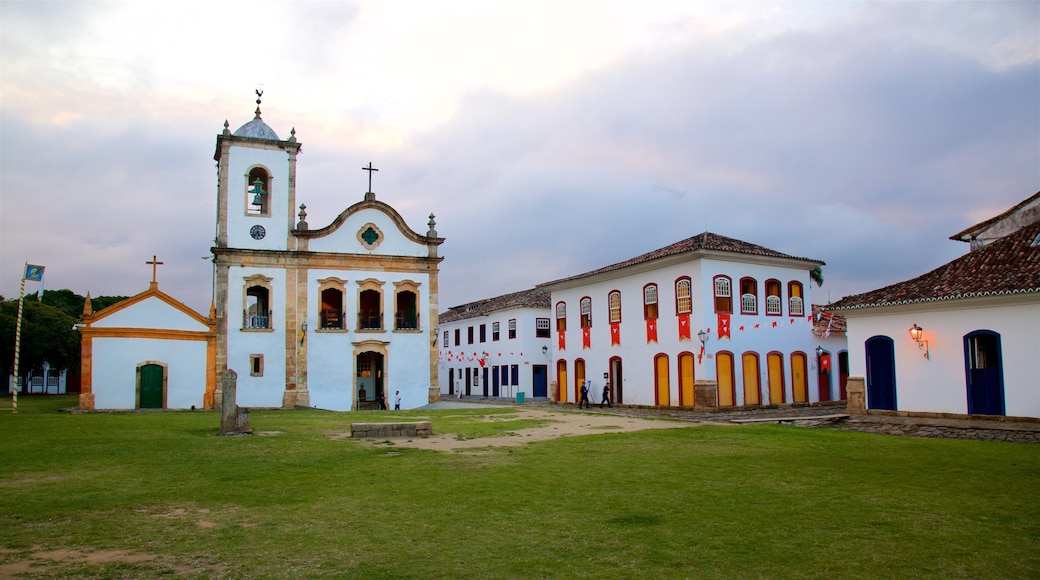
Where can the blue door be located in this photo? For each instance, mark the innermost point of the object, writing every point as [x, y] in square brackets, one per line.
[541, 381]
[881, 373]
[494, 381]
[985, 373]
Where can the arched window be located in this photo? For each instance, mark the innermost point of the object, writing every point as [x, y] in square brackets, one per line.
[748, 296]
[774, 304]
[586, 312]
[331, 307]
[256, 313]
[795, 303]
[258, 192]
[370, 305]
[683, 296]
[406, 305]
[723, 294]
[614, 305]
[561, 316]
[650, 302]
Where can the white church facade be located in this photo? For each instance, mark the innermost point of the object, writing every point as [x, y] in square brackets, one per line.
[333, 318]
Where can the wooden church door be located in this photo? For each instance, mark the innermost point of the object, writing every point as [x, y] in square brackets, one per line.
[151, 396]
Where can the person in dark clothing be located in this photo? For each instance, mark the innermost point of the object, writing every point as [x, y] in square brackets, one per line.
[584, 395]
[606, 396]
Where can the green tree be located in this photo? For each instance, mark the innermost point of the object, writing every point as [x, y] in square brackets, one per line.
[47, 336]
[72, 304]
[816, 275]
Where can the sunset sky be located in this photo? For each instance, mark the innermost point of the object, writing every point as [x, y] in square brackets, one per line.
[549, 137]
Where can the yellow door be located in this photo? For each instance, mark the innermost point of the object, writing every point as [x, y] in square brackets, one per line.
[776, 377]
[561, 380]
[799, 379]
[662, 381]
[686, 396]
[751, 392]
[724, 375]
[579, 378]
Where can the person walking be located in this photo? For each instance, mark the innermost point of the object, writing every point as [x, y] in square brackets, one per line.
[397, 401]
[606, 396]
[584, 395]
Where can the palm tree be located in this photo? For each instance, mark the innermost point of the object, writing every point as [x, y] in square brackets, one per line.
[816, 275]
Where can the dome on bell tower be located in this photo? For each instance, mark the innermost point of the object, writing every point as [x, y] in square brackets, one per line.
[257, 129]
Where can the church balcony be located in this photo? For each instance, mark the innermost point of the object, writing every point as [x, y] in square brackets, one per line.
[406, 322]
[256, 320]
[331, 320]
[370, 321]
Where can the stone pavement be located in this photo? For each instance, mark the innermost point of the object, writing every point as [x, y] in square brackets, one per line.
[816, 415]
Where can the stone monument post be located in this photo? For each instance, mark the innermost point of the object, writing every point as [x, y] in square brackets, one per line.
[234, 420]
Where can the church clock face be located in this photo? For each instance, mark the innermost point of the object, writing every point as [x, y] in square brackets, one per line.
[258, 232]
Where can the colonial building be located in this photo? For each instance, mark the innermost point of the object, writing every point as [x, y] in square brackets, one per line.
[332, 318]
[149, 351]
[497, 347]
[709, 320]
[961, 339]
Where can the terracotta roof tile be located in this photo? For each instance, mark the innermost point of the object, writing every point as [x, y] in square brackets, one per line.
[1010, 265]
[701, 242]
[824, 321]
[533, 298]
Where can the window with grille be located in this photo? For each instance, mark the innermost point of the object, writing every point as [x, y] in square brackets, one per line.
[774, 304]
[650, 301]
[445, 339]
[683, 296]
[541, 327]
[723, 294]
[794, 293]
[586, 312]
[748, 296]
[614, 306]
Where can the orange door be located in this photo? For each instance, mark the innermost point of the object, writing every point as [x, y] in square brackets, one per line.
[724, 375]
[686, 395]
[776, 377]
[662, 380]
[751, 389]
[561, 380]
[799, 380]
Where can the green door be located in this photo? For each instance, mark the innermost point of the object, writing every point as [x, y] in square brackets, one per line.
[151, 387]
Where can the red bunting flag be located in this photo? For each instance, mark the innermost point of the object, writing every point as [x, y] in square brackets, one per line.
[586, 339]
[825, 363]
[651, 331]
[757, 325]
[615, 333]
[684, 326]
[774, 324]
[724, 326]
[741, 328]
[562, 341]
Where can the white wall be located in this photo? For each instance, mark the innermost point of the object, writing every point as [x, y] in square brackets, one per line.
[266, 390]
[114, 370]
[276, 162]
[344, 239]
[151, 312]
[939, 384]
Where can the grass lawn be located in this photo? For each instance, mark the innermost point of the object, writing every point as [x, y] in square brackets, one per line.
[163, 495]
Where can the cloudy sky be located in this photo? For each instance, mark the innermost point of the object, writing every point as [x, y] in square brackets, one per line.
[549, 137]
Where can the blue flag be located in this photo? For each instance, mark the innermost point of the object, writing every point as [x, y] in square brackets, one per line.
[33, 272]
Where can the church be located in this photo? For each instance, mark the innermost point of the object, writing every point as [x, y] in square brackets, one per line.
[334, 318]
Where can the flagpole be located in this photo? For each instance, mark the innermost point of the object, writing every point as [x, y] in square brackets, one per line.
[18, 343]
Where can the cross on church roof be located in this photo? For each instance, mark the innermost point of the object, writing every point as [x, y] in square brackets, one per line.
[155, 263]
[369, 169]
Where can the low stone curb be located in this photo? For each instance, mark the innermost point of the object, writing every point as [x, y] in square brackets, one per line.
[390, 430]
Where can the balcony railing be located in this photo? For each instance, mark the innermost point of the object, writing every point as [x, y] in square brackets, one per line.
[370, 321]
[331, 319]
[406, 322]
[256, 320]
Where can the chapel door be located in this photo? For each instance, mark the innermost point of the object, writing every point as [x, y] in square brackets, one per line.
[881, 373]
[985, 375]
[151, 387]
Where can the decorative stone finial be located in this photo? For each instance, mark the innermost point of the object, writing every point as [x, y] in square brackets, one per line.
[302, 224]
[292, 135]
[227, 131]
[432, 233]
